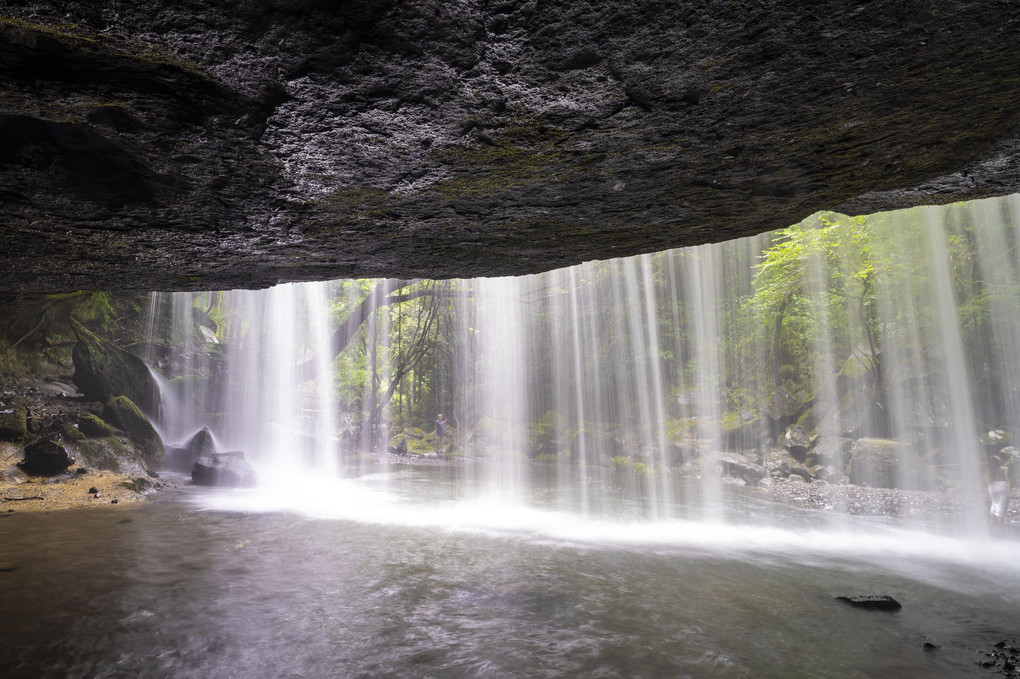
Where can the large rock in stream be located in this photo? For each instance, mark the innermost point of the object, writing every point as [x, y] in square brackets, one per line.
[183, 458]
[225, 470]
[884, 463]
[741, 467]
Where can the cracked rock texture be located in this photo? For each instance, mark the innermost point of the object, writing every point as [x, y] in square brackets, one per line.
[196, 144]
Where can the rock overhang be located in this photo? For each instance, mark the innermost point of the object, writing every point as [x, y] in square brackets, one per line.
[193, 146]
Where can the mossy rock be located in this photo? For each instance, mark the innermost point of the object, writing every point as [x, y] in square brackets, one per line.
[884, 463]
[102, 453]
[125, 414]
[94, 427]
[103, 371]
[70, 432]
[45, 458]
[139, 484]
[416, 446]
[14, 424]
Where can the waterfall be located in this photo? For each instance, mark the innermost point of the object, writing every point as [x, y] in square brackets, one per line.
[876, 350]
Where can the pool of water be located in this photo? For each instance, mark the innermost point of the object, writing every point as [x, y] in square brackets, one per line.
[404, 574]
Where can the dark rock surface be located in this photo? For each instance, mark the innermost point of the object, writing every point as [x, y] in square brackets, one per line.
[225, 470]
[45, 458]
[102, 371]
[13, 423]
[885, 463]
[871, 602]
[126, 415]
[183, 458]
[191, 145]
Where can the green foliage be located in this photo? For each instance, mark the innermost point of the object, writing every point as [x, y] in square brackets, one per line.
[35, 329]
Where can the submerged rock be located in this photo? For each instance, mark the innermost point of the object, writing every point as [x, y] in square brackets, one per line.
[45, 458]
[871, 602]
[225, 470]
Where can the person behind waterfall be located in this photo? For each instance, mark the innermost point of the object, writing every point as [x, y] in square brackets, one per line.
[440, 431]
[997, 475]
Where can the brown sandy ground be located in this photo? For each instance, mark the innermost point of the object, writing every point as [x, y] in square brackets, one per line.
[50, 398]
[70, 490]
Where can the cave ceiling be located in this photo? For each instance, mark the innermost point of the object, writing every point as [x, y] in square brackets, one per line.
[190, 144]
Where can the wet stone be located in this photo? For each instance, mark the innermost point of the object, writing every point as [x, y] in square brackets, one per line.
[871, 602]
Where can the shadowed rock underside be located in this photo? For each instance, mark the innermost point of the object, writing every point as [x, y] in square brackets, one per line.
[200, 144]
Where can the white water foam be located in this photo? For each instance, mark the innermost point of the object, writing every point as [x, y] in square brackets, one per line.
[370, 500]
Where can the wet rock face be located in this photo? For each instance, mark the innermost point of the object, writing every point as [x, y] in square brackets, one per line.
[45, 458]
[212, 145]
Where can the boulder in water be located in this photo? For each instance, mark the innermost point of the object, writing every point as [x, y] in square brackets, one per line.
[741, 467]
[885, 463]
[224, 470]
[121, 411]
[832, 450]
[103, 371]
[45, 458]
[183, 458]
[872, 602]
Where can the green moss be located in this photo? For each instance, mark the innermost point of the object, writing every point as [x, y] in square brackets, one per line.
[347, 207]
[131, 419]
[14, 424]
[138, 484]
[94, 427]
[102, 454]
[118, 447]
[84, 40]
[419, 446]
[71, 433]
[520, 152]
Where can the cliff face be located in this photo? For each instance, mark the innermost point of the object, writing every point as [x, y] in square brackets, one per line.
[198, 144]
